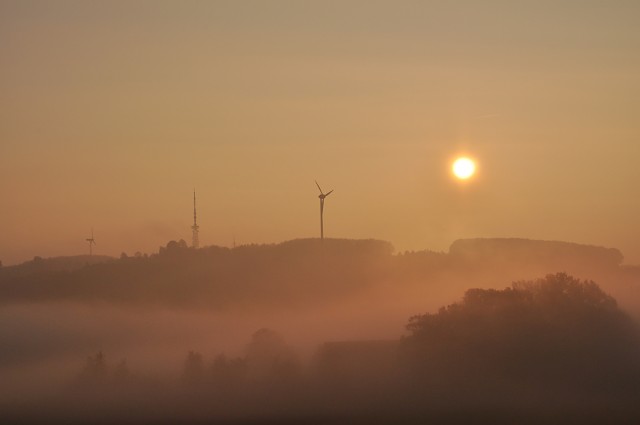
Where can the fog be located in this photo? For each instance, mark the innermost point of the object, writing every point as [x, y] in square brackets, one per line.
[309, 329]
[112, 112]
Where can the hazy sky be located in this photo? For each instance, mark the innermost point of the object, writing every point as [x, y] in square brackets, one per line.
[111, 112]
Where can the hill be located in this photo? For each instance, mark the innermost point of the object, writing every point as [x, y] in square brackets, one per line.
[525, 251]
[214, 277]
[307, 271]
[54, 264]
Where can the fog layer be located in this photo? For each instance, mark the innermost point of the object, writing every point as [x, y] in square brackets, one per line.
[310, 329]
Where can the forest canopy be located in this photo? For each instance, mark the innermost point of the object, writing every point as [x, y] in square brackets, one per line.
[558, 329]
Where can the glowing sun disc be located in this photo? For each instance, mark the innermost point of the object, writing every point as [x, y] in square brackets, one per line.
[463, 168]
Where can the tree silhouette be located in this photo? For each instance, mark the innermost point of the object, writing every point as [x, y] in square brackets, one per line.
[268, 355]
[95, 371]
[228, 373]
[193, 368]
[554, 330]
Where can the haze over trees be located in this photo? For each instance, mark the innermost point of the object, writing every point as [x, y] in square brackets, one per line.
[556, 348]
[231, 334]
[552, 332]
[303, 271]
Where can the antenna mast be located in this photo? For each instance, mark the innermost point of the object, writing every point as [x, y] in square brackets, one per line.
[195, 242]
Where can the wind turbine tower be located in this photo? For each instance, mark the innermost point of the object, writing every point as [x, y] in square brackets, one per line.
[92, 242]
[322, 196]
[195, 241]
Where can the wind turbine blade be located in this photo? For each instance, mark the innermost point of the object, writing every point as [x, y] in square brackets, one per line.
[328, 193]
[319, 187]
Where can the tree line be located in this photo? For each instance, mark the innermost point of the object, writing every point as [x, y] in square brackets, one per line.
[536, 347]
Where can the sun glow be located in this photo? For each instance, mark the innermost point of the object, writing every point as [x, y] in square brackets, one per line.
[463, 168]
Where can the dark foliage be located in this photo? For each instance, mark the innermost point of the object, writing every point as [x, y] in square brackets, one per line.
[300, 271]
[556, 255]
[557, 331]
[554, 350]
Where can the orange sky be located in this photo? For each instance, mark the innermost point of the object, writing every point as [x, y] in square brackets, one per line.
[111, 112]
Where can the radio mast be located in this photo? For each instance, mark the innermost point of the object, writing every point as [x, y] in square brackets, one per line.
[195, 242]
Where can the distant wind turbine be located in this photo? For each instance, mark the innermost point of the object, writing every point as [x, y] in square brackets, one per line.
[92, 242]
[322, 196]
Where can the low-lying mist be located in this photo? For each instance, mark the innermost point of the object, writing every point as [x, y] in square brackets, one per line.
[316, 331]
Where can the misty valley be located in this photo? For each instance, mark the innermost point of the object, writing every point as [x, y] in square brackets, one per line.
[332, 212]
[323, 331]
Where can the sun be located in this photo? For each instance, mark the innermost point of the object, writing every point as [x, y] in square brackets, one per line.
[463, 168]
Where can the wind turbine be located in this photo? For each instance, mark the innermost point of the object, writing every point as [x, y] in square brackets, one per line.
[91, 241]
[322, 196]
